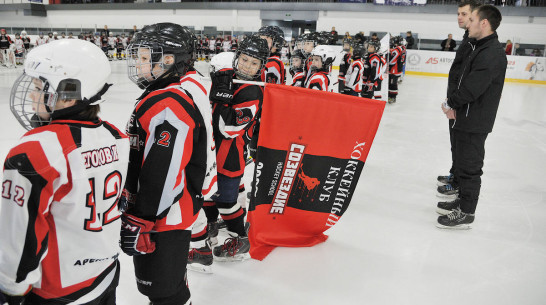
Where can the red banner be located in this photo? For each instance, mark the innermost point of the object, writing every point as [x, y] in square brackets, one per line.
[311, 151]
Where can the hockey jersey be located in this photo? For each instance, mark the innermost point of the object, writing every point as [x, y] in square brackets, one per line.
[274, 72]
[231, 123]
[397, 60]
[167, 163]
[5, 42]
[59, 212]
[318, 81]
[41, 41]
[354, 78]
[298, 79]
[373, 74]
[344, 66]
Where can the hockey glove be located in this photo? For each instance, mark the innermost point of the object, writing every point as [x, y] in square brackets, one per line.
[222, 86]
[11, 299]
[135, 235]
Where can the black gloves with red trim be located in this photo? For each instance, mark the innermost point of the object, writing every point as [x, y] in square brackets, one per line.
[222, 86]
[135, 236]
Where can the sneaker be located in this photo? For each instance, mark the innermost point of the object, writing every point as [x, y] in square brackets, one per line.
[213, 233]
[456, 220]
[446, 207]
[235, 248]
[200, 259]
[443, 180]
[448, 191]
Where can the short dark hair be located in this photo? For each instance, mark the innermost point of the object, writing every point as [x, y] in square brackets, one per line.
[492, 14]
[473, 4]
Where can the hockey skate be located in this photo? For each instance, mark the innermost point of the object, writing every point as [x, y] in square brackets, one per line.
[213, 233]
[392, 100]
[235, 248]
[456, 220]
[200, 259]
[443, 180]
[448, 192]
[446, 207]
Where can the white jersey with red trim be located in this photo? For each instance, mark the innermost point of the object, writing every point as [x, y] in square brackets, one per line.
[354, 77]
[226, 45]
[112, 41]
[192, 83]
[212, 44]
[318, 81]
[59, 214]
[41, 41]
[19, 45]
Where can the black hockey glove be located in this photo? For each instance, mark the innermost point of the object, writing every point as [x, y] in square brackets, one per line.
[10, 299]
[222, 86]
[135, 235]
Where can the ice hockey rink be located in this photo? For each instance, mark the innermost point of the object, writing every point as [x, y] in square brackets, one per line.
[386, 248]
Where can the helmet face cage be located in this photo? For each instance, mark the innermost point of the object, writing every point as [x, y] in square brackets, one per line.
[31, 99]
[140, 71]
[242, 74]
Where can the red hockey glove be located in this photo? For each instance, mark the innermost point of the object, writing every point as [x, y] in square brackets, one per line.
[222, 86]
[135, 235]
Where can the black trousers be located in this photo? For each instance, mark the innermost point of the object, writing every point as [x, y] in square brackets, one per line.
[455, 182]
[161, 275]
[469, 155]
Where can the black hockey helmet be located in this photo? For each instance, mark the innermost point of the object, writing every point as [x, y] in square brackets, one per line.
[275, 33]
[359, 50]
[162, 39]
[395, 41]
[297, 54]
[253, 46]
[375, 43]
[324, 38]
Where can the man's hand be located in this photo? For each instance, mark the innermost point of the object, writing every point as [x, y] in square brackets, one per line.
[450, 114]
[135, 235]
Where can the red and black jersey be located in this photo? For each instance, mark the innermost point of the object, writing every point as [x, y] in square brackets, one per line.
[274, 72]
[234, 45]
[167, 164]
[5, 42]
[218, 44]
[298, 79]
[231, 123]
[354, 79]
[318, 81]
[344, 66]
[396, 62]
[59, 218]
[373, 73]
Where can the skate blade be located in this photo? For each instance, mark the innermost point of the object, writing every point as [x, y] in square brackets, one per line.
[236, 258]
[452, 197]
[213, 241]
[200, 268]
[442, 211]
[457, 227]
[440, 183]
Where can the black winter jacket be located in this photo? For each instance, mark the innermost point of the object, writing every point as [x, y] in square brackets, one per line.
[477, 95]
[457, 66]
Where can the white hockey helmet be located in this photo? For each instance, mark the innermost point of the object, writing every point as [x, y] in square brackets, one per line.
[327, 54]
[65, 70]
[24, 33]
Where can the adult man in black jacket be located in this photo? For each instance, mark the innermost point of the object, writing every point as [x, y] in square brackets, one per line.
[473, 105]
[448, 186]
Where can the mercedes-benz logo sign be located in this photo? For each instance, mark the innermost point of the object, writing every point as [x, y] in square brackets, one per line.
[414, 59]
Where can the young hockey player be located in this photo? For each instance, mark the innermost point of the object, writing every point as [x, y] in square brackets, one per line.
[344, 64]
[396, 65]
[355, 73]
[19, 49]
[374, 65]
[274, 71]
[41, 39]
[26, 41]
[119, 48]
[235, 108]
[234, 44]
[62, 182]
[296, 68]
[226, 44]
[167, 163]
[211, 48]
[321, 61]
[218, 44]
[112, 41]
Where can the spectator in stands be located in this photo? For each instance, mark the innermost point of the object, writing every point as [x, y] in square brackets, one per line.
[519, 50]
[448, 44]
[410, 41]
[536, 52]
[133, 31]
[359, 37]
[374, 37]
[508, 47]
[334, 32]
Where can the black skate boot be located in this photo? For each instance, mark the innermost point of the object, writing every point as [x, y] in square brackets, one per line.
[200, 259]
[448, 192]
[443, 180]
[213, 233]
[456, 220]
[235, 248]
[446, 207]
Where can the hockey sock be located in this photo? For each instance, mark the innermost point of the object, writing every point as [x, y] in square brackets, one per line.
[211, 211]
[233, 215]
